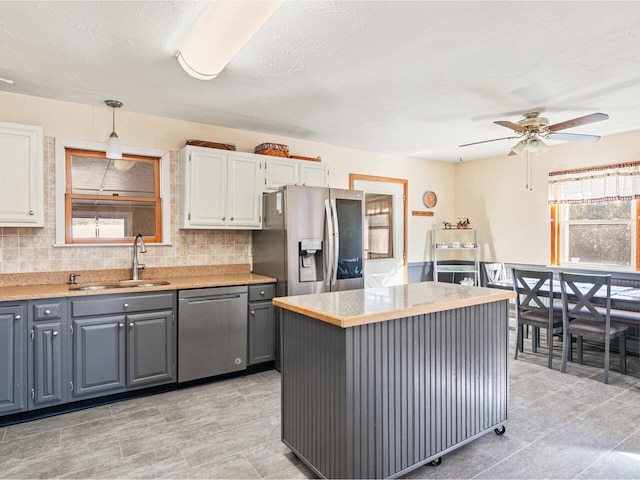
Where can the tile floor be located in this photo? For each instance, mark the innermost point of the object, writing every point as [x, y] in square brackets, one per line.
[560, 426]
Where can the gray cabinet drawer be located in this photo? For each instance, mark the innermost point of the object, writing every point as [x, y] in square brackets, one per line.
[261, 292]
[47, 311]
[104, 305]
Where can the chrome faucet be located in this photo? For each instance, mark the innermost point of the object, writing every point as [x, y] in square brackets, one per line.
[143, 249]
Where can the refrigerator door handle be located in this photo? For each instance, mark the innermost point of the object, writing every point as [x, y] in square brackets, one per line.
[336, 237]
[328, 259]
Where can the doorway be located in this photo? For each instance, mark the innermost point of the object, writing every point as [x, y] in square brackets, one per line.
[385, 229]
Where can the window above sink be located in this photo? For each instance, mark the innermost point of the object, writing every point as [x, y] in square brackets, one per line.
[107, 202]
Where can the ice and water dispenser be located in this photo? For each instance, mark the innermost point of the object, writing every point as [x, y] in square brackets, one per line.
[311, 260]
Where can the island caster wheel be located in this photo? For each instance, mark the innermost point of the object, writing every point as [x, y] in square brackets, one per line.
[500, 431]
[436, 462]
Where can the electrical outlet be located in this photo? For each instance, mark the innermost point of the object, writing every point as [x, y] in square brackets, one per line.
[184, 251]
[250, 250]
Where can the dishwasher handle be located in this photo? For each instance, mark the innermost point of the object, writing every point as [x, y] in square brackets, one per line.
[211, 298]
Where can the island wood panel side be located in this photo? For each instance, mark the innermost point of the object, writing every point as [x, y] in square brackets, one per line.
[414, 388]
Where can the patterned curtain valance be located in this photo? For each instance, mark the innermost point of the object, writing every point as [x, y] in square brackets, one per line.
[605, 183]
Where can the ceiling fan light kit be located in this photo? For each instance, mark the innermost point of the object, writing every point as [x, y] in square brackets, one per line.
[533, 128]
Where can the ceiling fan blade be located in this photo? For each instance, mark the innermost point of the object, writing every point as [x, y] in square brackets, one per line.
[594, 117]
[511, 125]
[573, 137]
[486, 141]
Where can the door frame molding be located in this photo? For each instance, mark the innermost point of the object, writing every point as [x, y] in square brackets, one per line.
[405, 184]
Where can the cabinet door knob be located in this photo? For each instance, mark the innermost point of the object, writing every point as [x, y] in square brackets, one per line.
[224, 218]
[125, 305]
[18, 317]
[55, 333]
[31, 212]
[47, 312]
[121, 325]
[231, 219]
[253, 312]
[131, 325]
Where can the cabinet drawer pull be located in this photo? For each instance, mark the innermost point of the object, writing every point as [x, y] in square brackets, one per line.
[262, 293]
[126, 305]
[31, 212]
[55, 333]
[47, 312]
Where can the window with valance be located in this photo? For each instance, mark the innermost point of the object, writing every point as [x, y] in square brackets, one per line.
[594, 215]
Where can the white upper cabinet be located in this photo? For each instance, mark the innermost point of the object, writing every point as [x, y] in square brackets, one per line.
[220, 189]
[21, 176]
[246, 177]
[314, 174]
[285, 171]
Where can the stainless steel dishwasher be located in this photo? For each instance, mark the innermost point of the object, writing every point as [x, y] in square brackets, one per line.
[212, 332]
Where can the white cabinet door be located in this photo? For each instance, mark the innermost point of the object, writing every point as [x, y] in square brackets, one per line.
[281, 172]
[314, 175]
[203, 188]
[21, 176]
[245, 191]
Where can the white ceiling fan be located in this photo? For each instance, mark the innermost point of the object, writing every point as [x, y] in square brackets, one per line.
[533, 128]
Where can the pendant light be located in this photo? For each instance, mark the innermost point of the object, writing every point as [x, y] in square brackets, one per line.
[114, 149]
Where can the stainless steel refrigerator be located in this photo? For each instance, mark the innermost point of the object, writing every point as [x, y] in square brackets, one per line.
[311, 241]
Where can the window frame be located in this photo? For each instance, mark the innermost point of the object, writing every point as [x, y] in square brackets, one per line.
[62, 144]
[558, 239]
[70, 196]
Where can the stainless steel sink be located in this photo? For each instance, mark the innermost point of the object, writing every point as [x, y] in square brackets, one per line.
[142, 283]
[121, 284]
[95, 287]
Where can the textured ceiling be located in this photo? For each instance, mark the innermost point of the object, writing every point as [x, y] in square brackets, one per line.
[411, 78]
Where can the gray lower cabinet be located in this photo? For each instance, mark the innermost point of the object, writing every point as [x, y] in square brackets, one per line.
[150, 348]
[261, 324]
[47, 347]
[121, 342]
[13, 371]
[98, 363]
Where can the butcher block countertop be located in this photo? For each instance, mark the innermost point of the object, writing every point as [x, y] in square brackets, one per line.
[351, 308]
[25, 286]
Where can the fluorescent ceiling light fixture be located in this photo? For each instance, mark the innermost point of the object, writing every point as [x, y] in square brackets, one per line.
[226, 27]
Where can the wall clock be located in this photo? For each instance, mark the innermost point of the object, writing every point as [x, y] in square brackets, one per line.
[429, 199]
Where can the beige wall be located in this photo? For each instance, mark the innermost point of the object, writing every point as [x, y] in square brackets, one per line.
[513, 223]
[29, 250]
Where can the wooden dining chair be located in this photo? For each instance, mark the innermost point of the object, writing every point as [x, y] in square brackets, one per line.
[534, 307]
[586, 320]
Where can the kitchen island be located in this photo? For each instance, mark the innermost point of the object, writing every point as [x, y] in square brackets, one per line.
[378, 382]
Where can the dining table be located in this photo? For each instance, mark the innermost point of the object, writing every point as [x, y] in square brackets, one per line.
[625, 302]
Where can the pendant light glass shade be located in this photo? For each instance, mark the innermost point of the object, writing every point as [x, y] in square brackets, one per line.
[114, 149]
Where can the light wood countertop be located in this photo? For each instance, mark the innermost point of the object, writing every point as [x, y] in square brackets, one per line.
[360, 307]
[56, 290]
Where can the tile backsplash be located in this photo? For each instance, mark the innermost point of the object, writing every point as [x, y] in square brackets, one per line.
[26, 250]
